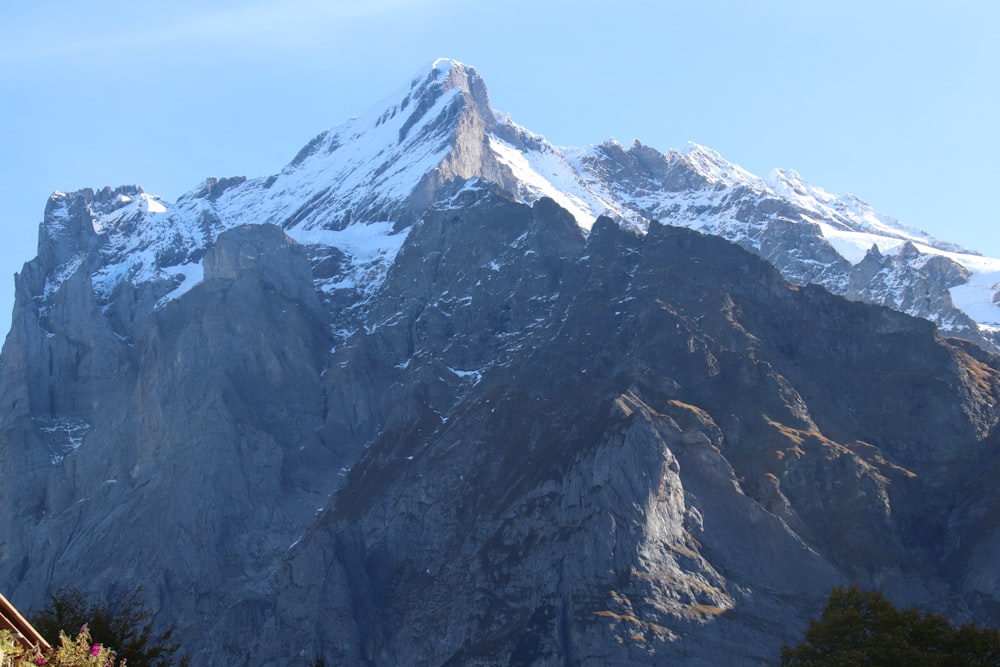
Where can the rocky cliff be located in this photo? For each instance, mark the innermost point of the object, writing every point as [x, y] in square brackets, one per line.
[401, 407]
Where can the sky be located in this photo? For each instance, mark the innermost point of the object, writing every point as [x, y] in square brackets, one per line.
[895, 102]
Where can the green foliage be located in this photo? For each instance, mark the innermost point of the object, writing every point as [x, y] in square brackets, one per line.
[126, 626]
[80, 651]
[864, 628]
[10, 650]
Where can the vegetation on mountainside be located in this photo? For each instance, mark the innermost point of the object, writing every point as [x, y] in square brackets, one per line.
[864, 628]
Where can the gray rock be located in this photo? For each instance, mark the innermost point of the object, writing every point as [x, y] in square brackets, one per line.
[511, 442]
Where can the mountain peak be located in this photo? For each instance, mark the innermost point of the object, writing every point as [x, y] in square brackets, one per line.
[446, 68]
[445, 64]
[717, 169]
[438, 78]
[443, 69]
[420, 145]
[453, 74]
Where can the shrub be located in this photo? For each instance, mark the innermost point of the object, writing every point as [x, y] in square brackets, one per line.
[80, 651]
[126, 626]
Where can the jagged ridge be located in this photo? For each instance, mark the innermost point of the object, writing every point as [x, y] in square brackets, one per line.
[383, 169]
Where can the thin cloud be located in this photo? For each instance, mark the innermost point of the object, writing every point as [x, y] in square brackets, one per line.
[37, 38]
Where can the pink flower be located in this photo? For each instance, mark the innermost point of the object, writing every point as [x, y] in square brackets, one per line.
[95, 649]
[39, 661]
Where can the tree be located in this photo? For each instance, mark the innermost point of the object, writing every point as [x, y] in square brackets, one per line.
[126, 627]
[864, 628]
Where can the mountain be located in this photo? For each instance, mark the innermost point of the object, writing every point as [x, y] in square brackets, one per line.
[385, 168]
[440, 393]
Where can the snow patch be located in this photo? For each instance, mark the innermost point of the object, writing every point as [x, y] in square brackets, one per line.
[854, 246]
[64, 436]
[717, 169]
[190, 275]
[476, 375]
[371, 249]
[61, 274]
[559, 182]
[976, 296]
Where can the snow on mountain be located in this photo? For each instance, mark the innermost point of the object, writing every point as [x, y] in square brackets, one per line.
[548, 173]
[850, 212]
[699, 189]
[365, 168]
[406, 356]
[358, 188]
[979, 297]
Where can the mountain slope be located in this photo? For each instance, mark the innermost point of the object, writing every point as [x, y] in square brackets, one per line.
[415, 399]
[672, 473]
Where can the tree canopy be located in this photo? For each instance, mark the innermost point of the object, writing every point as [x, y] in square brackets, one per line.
[864, 628]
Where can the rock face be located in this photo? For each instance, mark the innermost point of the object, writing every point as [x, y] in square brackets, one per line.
[472, 431]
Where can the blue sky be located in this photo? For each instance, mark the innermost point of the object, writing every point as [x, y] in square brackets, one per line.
[895, 102]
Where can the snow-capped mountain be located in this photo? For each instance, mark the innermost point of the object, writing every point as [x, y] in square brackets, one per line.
[358, 188]
[441, 393]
